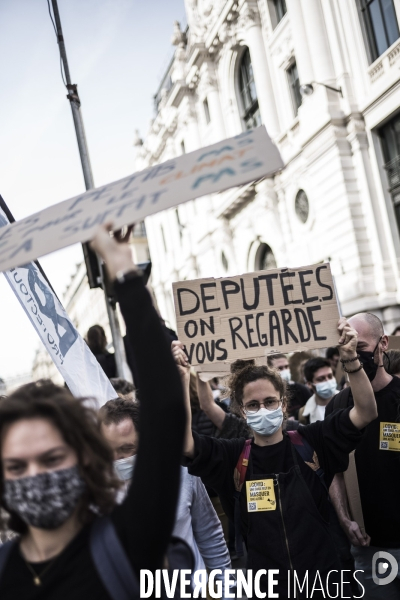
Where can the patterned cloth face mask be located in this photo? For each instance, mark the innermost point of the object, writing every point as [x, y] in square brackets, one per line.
[46, 500]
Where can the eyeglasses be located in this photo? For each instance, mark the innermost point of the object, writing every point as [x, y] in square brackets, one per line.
[254, 406]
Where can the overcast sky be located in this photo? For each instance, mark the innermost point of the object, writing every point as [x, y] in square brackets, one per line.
[117, 52]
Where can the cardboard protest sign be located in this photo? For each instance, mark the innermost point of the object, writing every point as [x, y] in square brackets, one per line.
[256, 314]
[236, 161]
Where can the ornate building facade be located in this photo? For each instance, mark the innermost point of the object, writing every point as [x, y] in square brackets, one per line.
[324, 78]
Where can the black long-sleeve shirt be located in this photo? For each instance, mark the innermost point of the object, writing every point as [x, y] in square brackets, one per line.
[144, 521]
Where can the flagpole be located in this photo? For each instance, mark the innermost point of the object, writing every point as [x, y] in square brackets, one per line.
[73, 97]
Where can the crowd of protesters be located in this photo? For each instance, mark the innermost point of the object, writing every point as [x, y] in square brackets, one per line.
[181, 473]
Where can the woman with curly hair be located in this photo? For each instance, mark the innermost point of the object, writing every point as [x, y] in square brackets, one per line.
[57, 481]
[276, 485]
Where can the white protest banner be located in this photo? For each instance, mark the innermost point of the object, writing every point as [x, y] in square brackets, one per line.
[256, 314]
[239, 160]
[69, 352]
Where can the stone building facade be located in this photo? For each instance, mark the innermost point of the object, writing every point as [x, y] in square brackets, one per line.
[324, 77]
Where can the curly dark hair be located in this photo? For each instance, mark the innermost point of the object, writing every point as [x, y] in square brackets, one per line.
[241, 375]
[80, 428]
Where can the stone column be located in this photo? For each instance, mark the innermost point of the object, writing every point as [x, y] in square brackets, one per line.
[249, 21]
[317, 40]
[302, 53]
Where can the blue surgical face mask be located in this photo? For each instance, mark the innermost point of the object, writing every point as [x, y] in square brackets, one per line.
[286, 375]
[124, 467]
[265, 422]
[326, 389]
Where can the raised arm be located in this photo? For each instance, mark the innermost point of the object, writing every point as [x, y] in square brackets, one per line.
[144, 529]
[183, 365]
[364, 410]
[208, 405]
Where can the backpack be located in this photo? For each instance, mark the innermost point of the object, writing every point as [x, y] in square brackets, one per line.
[306, 452]
[112, 564]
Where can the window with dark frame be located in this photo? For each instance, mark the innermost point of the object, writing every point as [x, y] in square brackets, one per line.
[206, 111]
[248, 94]
[265, 258]
[302, 206]
[381, 25]
[294, 85]
[280, 10]
[390, 140]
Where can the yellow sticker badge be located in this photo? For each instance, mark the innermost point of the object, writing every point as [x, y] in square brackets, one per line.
[389, 437]
[260, 495]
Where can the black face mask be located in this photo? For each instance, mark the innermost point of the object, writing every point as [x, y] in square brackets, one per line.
[369, 364]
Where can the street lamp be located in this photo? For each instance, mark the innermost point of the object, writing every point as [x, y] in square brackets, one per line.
[307, 89]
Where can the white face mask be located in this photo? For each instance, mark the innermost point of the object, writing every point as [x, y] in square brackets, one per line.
[265, 422]
[124, 467]
[286, 375]
[326, 389]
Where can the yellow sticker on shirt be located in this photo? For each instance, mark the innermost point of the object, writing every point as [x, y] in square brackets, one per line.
[260, 495]
[389, 436]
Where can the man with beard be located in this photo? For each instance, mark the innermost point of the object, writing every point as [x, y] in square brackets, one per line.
[378, 466]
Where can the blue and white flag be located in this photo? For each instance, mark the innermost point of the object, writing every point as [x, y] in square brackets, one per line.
[70, 353]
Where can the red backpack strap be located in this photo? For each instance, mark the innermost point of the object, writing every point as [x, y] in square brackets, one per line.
[239, 474]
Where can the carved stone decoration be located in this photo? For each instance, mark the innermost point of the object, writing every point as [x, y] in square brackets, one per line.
[208, 81]
[195, 21]
[190, 113]
[137, 140]
[249, 17]
[178, 36]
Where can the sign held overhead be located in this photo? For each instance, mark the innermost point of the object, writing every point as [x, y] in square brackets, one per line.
[236, 161]
[256, 314]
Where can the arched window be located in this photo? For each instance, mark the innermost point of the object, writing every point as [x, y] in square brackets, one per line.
[248, 93]
[265, 258]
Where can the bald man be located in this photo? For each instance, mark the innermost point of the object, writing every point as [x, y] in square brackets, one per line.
[378, 469]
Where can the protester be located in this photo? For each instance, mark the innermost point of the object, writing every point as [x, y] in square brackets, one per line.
[201, 422]
[97, 342]
[318, 373]
[297, 497]
[297, 392]
[227, 424]
[58, 477]
[332, 356]
[296, 363]
[378, 465]
[391, 361]
[125, 389]
[196, 520]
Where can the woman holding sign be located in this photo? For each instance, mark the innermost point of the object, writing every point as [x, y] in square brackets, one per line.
[276, 486]
[58, 482]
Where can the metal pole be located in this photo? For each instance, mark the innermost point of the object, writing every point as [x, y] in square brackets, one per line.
[73, 97]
